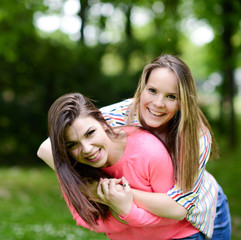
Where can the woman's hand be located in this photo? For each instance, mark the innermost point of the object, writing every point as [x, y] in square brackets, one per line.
[118, 197]
[92, 187]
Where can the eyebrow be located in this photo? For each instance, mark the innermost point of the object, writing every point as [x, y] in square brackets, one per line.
[85, 134]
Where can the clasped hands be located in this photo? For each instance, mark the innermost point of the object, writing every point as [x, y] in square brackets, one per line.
[115, 193]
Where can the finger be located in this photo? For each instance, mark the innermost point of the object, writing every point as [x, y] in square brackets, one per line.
[99, 189]
[105, 180]
[102, 189]
[125, 183]
[113, 186]
[105, 187]
[117, 180]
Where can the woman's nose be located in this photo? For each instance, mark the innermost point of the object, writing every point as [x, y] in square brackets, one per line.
[159, 101]
[86, 147]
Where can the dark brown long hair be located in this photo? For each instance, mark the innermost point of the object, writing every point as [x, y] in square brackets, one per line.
[74, 176]
[184, 128]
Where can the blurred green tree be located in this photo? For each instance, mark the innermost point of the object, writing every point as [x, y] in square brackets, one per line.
[37, 67]
[224, 18]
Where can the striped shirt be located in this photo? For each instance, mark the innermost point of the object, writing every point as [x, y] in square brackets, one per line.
[201, 201]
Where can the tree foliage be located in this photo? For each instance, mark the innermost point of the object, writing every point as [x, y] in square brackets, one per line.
[37, 68]
[224, 18]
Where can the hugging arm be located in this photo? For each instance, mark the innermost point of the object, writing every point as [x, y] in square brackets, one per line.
[45, 153]
[176, 204]
[159, 204]
[188, 199]
[117, 194]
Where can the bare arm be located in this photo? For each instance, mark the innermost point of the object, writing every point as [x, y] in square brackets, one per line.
[159, 204]
[45, 153]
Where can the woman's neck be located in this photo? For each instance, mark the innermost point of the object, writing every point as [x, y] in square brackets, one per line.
[160, 132]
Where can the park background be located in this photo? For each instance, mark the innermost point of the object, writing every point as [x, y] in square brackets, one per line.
[99, 48]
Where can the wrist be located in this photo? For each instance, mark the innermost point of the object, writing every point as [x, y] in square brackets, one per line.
[124, 212]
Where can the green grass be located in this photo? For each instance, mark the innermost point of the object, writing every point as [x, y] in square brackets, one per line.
[31, 206]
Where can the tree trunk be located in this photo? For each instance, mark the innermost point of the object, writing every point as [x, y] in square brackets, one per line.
[228, 67]
[82, 15]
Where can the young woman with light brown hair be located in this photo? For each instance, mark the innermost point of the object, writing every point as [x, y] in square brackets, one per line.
[166, 104]
[85, 148]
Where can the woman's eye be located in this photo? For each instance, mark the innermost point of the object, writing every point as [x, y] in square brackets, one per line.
[71, 146]
[90, 133]
[172, 97]
[152, 90]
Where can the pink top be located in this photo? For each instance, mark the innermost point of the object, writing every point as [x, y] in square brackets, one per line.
[146, 170]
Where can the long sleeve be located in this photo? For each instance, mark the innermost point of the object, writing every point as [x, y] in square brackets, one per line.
[109, 225]
[139, 217]
[116, 115]
[202, 199]
[188, 199]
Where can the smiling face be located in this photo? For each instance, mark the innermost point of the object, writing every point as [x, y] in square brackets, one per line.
[159, 98]
[87, 142]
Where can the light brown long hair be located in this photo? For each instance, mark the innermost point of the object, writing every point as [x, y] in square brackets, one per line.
[184, 128]
[73, 176]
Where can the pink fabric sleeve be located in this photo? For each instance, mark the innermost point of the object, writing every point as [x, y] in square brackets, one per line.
[109, 225]
[138, 217]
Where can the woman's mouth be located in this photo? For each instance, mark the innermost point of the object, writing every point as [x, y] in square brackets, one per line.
[95, 156]
[157, 114]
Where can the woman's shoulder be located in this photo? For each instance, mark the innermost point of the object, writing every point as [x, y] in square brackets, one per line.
[117, 113]
[142, 137]
[146, 148]
[123, 105]
[204, 133]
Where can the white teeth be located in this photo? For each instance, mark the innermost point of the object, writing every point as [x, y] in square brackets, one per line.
[156, 113]
[94, 156]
